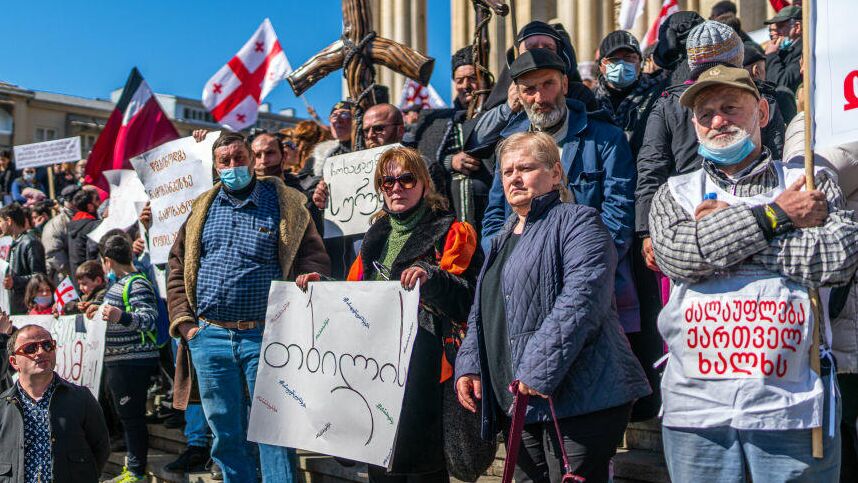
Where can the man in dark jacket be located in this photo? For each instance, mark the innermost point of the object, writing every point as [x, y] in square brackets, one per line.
[26, 257]
[783, 53]
[50, 429]
[670, 142]
[86, 203]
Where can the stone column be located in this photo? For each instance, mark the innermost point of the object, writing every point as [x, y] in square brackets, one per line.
[587, 35]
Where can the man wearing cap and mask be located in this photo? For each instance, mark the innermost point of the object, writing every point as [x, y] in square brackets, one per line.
[783, 53]
[595, 156]
[741, 240]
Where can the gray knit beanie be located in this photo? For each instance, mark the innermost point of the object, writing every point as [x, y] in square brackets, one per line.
[712, 43]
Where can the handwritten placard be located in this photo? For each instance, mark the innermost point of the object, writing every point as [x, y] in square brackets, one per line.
[352, 199]
[333, 367]
[47, 153]
[80, 346]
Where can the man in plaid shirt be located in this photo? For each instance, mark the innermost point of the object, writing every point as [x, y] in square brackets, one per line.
[741, 241]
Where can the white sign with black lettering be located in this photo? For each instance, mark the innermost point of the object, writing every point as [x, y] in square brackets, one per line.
[47, 153]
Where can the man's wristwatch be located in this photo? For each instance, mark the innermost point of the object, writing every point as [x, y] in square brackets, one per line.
[779, 221]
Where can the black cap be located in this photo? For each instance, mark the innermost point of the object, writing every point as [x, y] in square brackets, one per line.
[722, 7]
[616, 40]
[536, 59]
[463, 56]
[787, 13]
[753, 53]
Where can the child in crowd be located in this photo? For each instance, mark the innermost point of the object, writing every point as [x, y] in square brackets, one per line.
[131, 352]
[90, 281]
[39, 295]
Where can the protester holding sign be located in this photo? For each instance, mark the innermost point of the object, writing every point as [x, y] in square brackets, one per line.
[26, 258]
[740, 240]
[416, 239]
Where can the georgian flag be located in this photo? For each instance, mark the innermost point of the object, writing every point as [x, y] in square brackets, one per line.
[234, 93]
[668, 8]
[136, 125]
[413, 93]
[64, 294]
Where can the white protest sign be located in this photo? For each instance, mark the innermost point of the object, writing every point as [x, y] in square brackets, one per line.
[47, 153]
[5, 300]
[5, 247]
[80, 346]
[127, 200]
[174, 174]
[352, 199]
[835, 79]
[333, 366]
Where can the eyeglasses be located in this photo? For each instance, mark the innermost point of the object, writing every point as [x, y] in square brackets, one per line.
[377, 129]
[33, 347]
[406, 180]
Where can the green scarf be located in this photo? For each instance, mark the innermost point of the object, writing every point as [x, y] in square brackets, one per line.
[400, 232]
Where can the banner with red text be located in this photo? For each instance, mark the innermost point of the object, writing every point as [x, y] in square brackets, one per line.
[835, 94]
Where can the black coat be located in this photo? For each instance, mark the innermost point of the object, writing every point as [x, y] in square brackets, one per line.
[783, 68]
[670, 146]
[80, 444]
[79, 250]
[445, 299]
[26, 258]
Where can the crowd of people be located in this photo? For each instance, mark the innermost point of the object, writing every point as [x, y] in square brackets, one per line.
[568, 240]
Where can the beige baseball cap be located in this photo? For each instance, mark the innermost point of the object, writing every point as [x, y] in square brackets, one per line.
[719, 75]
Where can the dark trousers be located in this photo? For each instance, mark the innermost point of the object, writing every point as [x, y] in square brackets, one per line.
[377, 474]
[129, 381]
[590, 440]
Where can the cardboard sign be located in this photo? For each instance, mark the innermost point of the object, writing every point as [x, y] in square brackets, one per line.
[352, 199]
[47, 153]
[80, 346]
[174, 174]
[333, 366]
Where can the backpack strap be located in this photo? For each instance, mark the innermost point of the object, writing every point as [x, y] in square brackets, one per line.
[126, 301]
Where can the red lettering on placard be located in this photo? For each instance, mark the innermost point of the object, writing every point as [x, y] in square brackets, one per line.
[849, 91]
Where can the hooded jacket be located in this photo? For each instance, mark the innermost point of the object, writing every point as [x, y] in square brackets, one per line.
[79, 227]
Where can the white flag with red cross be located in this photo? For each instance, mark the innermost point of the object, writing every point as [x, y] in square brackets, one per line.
[64, 294]
[234, 93]
[415, 94]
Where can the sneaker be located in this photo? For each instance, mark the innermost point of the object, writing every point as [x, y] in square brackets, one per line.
[127, 476]
[193, 459]
[214, 469]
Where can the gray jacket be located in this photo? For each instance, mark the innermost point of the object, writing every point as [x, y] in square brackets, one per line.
[55, 239]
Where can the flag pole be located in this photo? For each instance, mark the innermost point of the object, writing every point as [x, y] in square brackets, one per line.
[813, 293]
[51, 182]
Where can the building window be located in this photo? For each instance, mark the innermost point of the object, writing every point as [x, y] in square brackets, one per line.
[45, 134]
[6, 122]
[87, 141]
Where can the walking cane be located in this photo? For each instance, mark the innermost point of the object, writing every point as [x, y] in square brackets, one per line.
[816, 306]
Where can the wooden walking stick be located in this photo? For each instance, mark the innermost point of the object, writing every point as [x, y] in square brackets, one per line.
[810, 184]
[357, 52]
[480, 49]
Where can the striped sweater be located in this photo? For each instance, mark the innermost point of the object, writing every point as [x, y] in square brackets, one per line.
[126, 340]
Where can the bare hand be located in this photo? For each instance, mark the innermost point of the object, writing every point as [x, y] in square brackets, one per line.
[806, 209]
[649, 255]
[774, 45]
[91, 310]
[138, 246]
[188, 330]
[525, 389]
[83, 306]
[200, 134]
[146, 216]
[302, 280]
[320, 195]
[512, 98]
[707, 207]
[467, 385]
[110, 314]
[8, 283]
[411, 275]
[464, 163]
[5, 323]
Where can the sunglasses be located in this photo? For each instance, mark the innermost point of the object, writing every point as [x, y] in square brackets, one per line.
[341, 115]
[406, 180]
[377, 129]
[289, 145]
[33, 347]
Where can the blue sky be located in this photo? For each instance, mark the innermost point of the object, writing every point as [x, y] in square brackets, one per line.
[88, 48]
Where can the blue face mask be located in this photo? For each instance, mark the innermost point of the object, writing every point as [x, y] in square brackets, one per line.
[728, 155]
[43, 300]
[787, 43]
[235, 178]
[111, 277]
[621, 73]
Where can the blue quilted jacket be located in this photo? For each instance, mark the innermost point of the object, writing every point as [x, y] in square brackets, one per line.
[564, 334]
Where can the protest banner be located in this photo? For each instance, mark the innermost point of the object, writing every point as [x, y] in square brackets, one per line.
[835, 73]
[5, 301]
[352, 199]
[127, 200]
[47, 153]
[174, 175]
[80, 346]
[333, 366]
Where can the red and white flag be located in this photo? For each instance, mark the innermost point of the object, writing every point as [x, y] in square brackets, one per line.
[630, 10]
[668, 8]
[234, 93]
[415, 94]
[137, 124]
[64, 294]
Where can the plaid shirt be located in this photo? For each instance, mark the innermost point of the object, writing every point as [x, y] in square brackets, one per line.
[38, 456]
[689, 250]
[239, 255]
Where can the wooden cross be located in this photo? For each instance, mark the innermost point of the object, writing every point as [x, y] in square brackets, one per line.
[480, 47]
[356, 52]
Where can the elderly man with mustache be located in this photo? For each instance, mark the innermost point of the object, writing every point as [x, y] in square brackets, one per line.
[741, 241]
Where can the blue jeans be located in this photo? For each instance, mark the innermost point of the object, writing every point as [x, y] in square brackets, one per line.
[725, 454]
[225, 361]
[196, 428]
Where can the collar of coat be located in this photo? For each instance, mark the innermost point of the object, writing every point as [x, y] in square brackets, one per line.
[294, 219]
[433, 226]
[12, 391]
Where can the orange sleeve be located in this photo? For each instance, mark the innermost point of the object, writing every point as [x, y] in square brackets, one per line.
[356, 271]
[459, 247]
